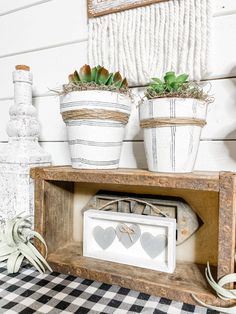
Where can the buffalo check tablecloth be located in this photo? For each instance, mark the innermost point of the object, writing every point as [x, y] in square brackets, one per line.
[30, 292]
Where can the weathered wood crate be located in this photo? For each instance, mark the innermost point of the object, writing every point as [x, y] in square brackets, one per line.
[211, 194]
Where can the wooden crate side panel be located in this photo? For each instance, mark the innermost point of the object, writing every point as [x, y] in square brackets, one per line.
[54, 215]
[39, 212]
[227, 217]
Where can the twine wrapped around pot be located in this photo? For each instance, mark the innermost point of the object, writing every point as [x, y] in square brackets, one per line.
[164, 122]
[98, 114]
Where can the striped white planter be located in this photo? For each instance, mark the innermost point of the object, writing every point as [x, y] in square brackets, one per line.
[173, 147]
[95, 143]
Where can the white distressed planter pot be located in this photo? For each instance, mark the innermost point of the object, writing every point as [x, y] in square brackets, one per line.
[95, 143]
[172, 148]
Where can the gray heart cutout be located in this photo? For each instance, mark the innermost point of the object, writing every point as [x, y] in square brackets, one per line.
[104, 237]
[124, 237]
[153, 245]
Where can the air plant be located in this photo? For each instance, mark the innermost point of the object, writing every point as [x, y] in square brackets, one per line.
[175, 86]
[16, 245]
[95, 78]
[222, 292]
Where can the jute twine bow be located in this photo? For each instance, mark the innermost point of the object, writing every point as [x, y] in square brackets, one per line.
[98, 114]
[126, 229]
[163, 122]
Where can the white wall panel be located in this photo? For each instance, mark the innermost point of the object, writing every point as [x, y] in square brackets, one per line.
[48, 24]
[222, 7]
[221, 119]
[59, 152]
[51, 38]
[212, 155]
[223, 53]
[50, 67]
[9, 6]
[6, 6]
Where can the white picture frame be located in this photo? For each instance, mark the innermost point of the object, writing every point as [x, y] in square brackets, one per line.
[100, 242]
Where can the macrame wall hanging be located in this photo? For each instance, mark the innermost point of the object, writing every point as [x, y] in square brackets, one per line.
[146, 38]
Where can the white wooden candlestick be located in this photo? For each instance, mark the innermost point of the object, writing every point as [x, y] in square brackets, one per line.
[21, 152]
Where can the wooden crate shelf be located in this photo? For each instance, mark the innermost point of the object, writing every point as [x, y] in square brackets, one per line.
[54, 195]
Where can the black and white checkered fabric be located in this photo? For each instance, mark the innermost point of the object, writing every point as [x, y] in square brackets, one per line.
[30, 292]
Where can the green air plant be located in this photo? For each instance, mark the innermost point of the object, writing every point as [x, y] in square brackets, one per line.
[175, 86]
[16, 245]
[95, 78]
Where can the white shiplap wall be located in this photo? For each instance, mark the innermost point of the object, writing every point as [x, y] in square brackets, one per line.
[51, 37]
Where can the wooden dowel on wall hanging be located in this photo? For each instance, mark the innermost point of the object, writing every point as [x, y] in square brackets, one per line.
[98, 8]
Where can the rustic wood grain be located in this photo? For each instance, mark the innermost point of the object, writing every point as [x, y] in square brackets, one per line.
[110, 6]
[211, 195]
[54, 212]
[207, 181]
[200, 248]
[39, 213]
[187, 279]
[227, 224]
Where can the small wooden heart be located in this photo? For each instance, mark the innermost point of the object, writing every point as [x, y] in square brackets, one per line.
[104, 237]
[128, 235]
[153, 245]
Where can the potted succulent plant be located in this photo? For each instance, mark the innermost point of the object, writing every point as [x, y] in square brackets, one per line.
[172, 114]
[95, 105]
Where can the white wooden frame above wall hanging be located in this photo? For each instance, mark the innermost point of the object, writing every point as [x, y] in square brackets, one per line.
[102, 7]
[146, 38]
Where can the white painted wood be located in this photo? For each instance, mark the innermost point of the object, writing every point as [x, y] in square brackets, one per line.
[216, 155]
[51, 23]
[106, 237]
[8, 7]
[59, 152]
[222, 7]
[50, 67]
[223, 52]
[212, 155]
[221, 117]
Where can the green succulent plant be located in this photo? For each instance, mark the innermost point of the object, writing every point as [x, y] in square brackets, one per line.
[175, 86]
[99, 76]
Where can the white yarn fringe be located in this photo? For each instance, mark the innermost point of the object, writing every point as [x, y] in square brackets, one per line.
[148, 41]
